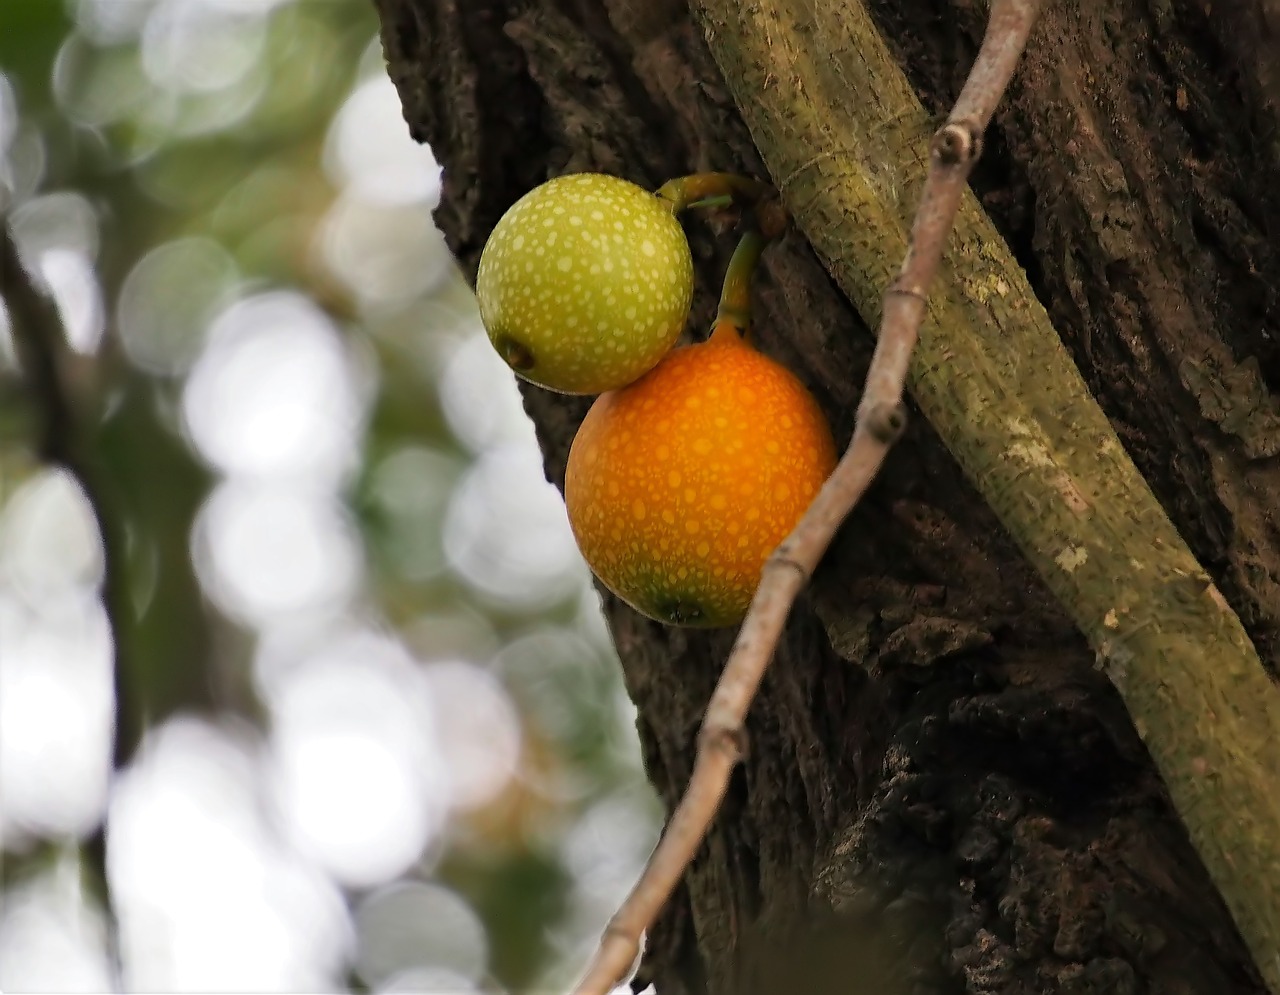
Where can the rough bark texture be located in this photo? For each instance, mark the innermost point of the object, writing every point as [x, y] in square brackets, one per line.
[943, 794]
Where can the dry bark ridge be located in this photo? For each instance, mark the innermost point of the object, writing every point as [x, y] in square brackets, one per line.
[881, 419]
[1001, 788]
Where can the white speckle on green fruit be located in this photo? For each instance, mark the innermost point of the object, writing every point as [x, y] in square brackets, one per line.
[609, 263]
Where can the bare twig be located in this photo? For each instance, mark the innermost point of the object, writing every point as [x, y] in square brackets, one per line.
[45, 360]
[37, 340]
[880, 420]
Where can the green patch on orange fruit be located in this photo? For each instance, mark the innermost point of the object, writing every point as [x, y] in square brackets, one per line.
[680, 485]
[585, 283]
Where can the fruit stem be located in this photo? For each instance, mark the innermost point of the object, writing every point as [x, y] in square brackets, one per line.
[686, 191]
[711, 202]
[735, 297]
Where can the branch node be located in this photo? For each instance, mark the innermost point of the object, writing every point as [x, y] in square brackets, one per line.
[904, 287]
[619, 933]
[957, 143]
[885, 421]
[781, 557]
[729, 740]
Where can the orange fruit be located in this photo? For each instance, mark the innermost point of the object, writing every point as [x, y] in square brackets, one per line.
[585, 283]
[680, 485]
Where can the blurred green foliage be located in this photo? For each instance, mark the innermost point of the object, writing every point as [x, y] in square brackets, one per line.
[213, 120]
[33, 31]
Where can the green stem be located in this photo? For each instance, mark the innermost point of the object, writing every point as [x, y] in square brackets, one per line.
[735, 297]
[711, 203]
[685, 191]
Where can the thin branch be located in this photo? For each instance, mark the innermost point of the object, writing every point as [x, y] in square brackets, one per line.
[45, 361]
[37, 340]
[880, 420]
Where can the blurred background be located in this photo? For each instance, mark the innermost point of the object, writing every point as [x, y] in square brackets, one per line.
[413, 766]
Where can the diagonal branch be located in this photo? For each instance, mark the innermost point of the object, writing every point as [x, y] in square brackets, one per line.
[45, 362]
[880, 421]
[37, 340]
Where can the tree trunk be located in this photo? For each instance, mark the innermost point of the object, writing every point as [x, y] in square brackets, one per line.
[943, 793]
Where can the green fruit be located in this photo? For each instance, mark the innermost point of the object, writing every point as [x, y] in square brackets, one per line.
[585, 283]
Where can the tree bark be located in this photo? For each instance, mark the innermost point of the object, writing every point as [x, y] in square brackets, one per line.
[943, 793]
